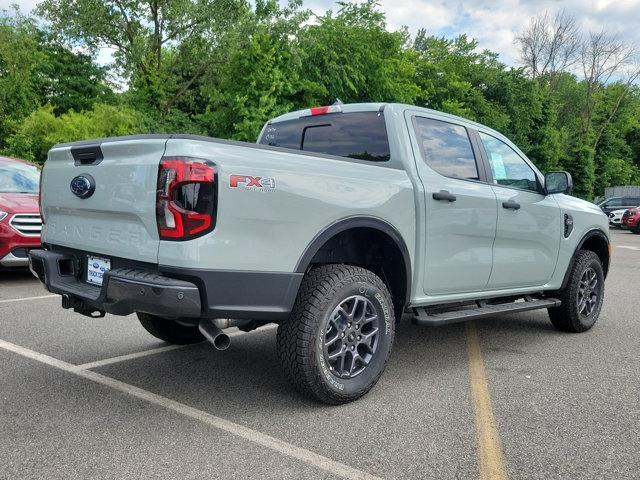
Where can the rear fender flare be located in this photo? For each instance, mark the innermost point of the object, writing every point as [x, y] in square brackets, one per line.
[348, 223]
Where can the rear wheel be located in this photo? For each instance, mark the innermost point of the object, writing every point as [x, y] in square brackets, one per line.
[337, 340]
[582, 297]
[170, 330]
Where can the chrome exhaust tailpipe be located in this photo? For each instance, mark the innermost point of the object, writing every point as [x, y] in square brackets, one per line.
[217, 337]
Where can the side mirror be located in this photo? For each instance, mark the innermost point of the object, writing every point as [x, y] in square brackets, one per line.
[558, 182]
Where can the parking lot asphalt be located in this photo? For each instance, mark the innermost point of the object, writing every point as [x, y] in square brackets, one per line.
[100, 398]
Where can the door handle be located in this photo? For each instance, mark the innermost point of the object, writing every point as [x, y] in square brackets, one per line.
[443, 195]
[511, 205]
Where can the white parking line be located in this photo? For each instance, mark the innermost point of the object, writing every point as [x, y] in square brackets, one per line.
[628, 246]
[259, 438]
[130, 356]
[12, 300]
[153, 351]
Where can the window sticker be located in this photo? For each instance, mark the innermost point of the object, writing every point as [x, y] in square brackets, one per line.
[497, 167]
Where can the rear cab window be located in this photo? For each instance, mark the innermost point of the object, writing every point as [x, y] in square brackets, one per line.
[358, 135]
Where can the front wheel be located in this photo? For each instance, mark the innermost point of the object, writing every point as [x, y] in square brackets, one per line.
[337, 340]
[582, 297]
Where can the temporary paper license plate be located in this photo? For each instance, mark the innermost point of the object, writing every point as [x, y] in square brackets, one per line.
[96, 267]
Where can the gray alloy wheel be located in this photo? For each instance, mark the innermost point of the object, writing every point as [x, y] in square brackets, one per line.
[588, 292]
[351, 338]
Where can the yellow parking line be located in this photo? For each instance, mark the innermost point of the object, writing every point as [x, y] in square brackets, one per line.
[491, 462]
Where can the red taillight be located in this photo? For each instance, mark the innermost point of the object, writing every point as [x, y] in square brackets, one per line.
[186, 198]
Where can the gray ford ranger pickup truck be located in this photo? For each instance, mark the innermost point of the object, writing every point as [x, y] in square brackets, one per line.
[336, 223]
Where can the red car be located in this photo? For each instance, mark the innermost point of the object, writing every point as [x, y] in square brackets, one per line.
[20, 222]
[631, 220]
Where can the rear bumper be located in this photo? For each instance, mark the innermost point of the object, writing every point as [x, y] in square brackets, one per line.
[124, 290]
[166, 291]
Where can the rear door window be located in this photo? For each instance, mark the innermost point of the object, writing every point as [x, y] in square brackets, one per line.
[446, 148]
[361, 135]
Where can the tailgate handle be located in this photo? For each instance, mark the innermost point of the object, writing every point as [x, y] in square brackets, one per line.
[87, 155]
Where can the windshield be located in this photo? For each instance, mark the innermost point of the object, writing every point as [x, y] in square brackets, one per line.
[18, 178]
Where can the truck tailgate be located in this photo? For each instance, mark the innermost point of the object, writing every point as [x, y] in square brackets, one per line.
[119, 218]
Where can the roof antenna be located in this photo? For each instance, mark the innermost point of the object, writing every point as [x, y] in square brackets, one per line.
[338, 102]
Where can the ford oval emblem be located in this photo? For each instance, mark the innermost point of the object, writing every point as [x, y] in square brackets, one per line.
[83, 186]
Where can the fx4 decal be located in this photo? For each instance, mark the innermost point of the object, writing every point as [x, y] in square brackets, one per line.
[257, 183]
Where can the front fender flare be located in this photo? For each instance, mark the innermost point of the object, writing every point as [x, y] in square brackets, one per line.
[596, 232]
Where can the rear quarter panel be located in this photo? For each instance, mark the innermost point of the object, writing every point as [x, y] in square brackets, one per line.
[268, 229]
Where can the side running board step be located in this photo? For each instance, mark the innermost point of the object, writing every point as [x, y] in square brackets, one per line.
[426, 315]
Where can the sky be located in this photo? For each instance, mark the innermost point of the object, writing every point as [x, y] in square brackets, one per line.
[493, 23]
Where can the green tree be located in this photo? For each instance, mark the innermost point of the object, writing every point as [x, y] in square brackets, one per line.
[353, 57]
[263, 76]
[162, 47]
[68, 80]
[42, 129]
[18, 59]
[34, 71]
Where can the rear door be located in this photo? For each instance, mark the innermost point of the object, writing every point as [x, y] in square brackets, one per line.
[119, 217]
[530, 223]
[460, 223]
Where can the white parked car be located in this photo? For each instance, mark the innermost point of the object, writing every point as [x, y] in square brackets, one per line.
[615, 217]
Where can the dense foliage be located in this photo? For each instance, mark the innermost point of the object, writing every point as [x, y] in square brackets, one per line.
[223, 67]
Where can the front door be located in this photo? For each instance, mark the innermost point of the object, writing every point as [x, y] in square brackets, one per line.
[530, 223]
[460, 208]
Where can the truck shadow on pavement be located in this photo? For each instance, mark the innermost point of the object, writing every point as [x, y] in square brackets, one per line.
[248, 378]
[16, 276]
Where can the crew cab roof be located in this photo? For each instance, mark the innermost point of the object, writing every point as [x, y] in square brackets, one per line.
[398, 108]
[382, 106]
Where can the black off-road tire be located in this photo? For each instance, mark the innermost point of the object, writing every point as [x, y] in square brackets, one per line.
[567, 317]
[170, 330]
[302, 339]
